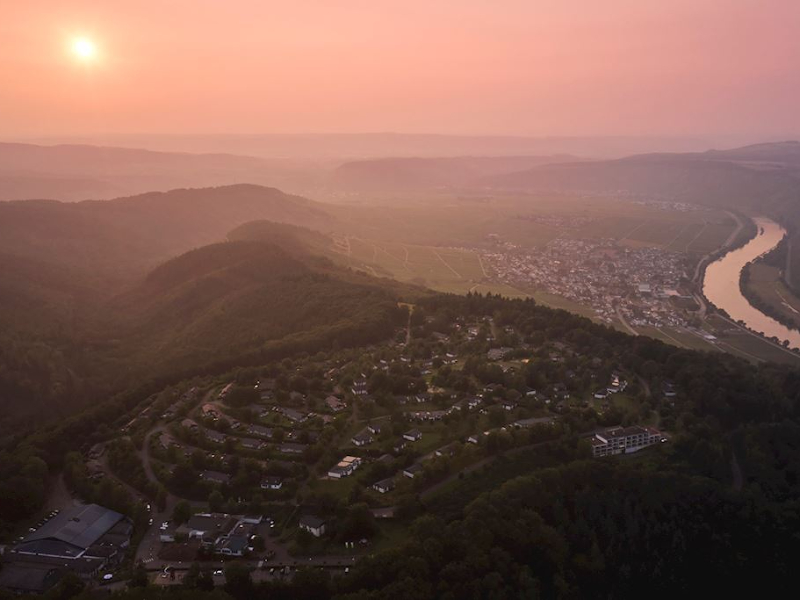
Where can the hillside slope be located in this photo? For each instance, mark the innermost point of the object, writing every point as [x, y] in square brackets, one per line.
[685, 178]
[122, 238]
[212, 308]
[225, 301]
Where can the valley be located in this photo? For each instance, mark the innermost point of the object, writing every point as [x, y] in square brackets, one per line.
[263, 381]
[399, 300]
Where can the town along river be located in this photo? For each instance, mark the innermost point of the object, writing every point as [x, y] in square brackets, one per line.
[721, 283]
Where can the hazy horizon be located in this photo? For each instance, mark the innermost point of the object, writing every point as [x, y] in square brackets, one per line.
[368, 145]
[704, 69]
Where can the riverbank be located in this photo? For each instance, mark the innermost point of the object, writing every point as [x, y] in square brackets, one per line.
[721, 285]
[763, 287]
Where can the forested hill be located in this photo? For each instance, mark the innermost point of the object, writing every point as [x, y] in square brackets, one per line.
[716, 180]
[220, 305]
[292, 238]
[125, 237]
[223, 303]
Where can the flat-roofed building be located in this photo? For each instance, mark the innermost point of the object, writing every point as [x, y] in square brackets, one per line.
[623, 440]
[82, 539]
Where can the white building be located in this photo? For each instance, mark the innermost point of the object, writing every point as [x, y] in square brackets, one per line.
[624, 440]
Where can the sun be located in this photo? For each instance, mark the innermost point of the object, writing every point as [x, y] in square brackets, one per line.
[83, 48]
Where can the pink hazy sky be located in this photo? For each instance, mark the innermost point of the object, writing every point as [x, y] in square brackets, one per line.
[526, 67]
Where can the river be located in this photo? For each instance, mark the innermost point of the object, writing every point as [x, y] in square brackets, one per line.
[721, 283]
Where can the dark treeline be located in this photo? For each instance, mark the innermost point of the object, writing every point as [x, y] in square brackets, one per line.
[27, 460]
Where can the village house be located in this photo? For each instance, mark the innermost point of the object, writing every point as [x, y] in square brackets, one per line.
[251, 444]
[448, 450]
[314, 525]
[498, 353]
[384, 485]
[290, 448]
[225, 391]
[362, 438]
[335, 404]
[271, 483]
[413, 435]
[345, 467]
[215, 436]
[412, 471]
[215, 477]
[359, 387]
[526, 423]
[291, 414]
[165, 440]
[210, 411]
[260, 430]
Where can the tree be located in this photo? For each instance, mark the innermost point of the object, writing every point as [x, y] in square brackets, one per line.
[205, 582]
[70, 586]
[358, 523]
[192, 577]
[497, 416]
[238, 582]
[182, 512]
[184, 477]
[138, 576]
[161, 498]
[242, 396]
[215, 501]
[304, 539]
[311, 584]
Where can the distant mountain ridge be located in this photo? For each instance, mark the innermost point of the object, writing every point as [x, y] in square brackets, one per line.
[72, 172]
[739, 178]
[416, 173]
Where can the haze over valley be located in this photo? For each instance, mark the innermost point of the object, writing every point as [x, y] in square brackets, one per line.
[399, 300]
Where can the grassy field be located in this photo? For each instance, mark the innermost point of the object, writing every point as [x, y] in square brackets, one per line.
[678, 337]
[456, 270]
[737, 341]
[434, 241]
[532, 221]
[555, 301]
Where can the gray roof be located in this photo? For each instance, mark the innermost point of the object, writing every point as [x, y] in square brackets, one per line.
[311, 521]
[79, 527]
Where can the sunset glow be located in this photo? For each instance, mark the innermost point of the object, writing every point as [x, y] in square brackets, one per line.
[83, 48]
[532, 68]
